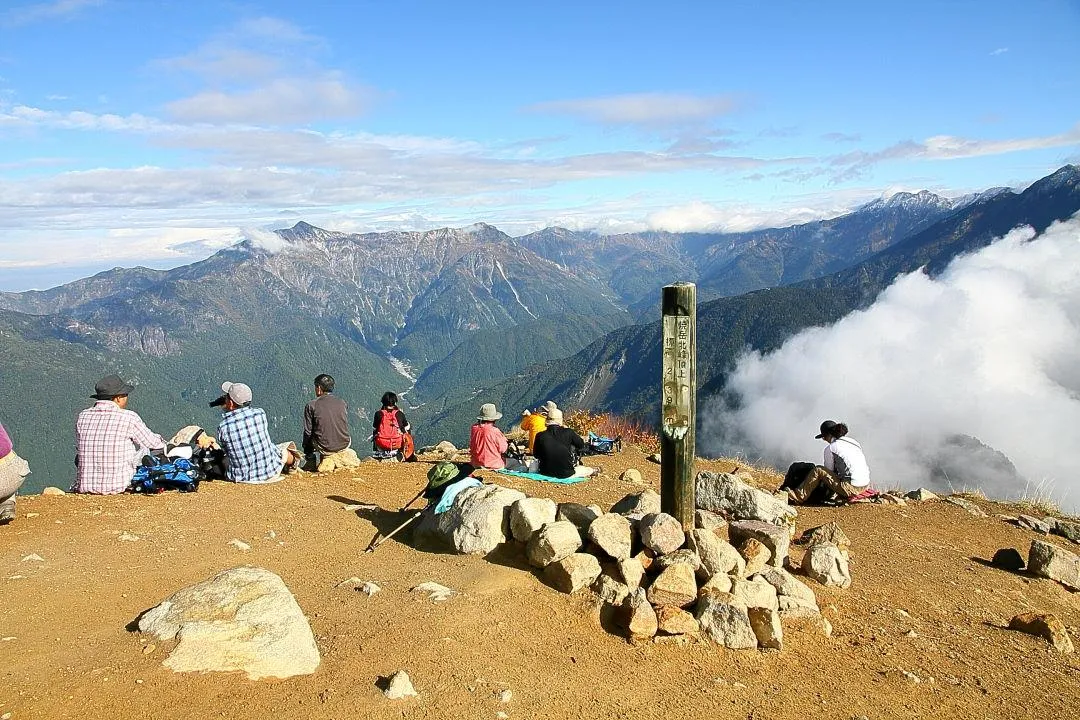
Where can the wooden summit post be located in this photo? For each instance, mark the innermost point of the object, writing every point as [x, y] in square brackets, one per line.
[679, 393]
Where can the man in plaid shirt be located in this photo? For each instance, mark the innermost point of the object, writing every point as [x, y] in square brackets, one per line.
[110, 440]
[253, 456]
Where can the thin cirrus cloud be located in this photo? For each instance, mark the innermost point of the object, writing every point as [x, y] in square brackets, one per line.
[46, 11]
[279, 101]
[642, 109]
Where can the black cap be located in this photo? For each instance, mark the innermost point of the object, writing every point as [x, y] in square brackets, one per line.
[111, 386]
[826, 427]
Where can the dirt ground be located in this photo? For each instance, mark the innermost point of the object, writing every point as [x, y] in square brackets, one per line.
[920, 633]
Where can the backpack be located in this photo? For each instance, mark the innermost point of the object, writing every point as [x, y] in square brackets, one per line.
[599, 445]
[157, 474]
[388, 435]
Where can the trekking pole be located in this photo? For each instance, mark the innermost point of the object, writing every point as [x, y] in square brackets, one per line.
[377, 541]
[418, 496]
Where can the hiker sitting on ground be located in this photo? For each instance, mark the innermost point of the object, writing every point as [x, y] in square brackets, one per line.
[389, 426]
[557, 449]
[252, 456]
[844, 470]
[533, 423]
[487, 444]
[110, 440]
[326, 429]
[13, 471]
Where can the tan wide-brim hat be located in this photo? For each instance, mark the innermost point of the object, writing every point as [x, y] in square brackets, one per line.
[488, 412]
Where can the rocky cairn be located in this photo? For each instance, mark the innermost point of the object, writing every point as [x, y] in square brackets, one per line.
[726, 580]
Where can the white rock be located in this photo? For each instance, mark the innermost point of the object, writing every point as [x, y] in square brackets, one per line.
[553, 542]
[573, 572]
[241, 619]
[529, 515]
[434, 591]
[236, 543]
[755, 593]
[638, 505]
[612, 534]
[728, 495]
[825, 563]
[476, 523]
[33, 557]
[1050, 561]
[921, 495]
[788, 585]
[369, 588]
[661, 533]
[127, 537]
[725, 621]
[53, 491]
[632, 571]
[716, 555]
[774, 537]
[399, 686]
[610, 590]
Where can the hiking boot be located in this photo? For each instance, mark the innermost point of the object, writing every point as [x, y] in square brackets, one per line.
[7, 512]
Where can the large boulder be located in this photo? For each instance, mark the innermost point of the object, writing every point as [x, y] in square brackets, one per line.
[725, 621]
[825, 563]
[661, 533]
[675, 586]
[476, 523]
[1065, 528]
[731, 497]
[717, 556]
[610, 590]
[529, 515]
[552, 543]
[707, 520]
[612, 534]
[573, 572]
[1049, 561]
[240, 619]
[638, 505]
[776, 538]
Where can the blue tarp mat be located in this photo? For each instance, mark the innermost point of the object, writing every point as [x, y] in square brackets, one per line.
[542, 478]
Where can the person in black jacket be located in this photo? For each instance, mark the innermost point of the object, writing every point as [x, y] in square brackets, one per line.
[557, 448]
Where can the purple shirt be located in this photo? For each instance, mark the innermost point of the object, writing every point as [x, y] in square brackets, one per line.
[5, 442]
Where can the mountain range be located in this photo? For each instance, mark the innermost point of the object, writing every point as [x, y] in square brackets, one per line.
[449, 315]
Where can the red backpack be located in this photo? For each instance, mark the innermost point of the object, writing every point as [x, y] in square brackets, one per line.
[388, 436]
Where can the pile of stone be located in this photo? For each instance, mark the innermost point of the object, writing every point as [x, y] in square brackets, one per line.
[725, 580]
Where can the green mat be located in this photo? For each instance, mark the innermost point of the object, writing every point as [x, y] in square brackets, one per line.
[542, 478]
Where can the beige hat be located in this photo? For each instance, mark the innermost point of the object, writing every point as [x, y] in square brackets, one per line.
[547, 407]
[488, 412]
[554, 417]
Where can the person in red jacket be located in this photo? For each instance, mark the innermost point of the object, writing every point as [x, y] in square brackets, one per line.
[390, 430]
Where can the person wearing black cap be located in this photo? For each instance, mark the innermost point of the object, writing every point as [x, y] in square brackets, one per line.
[844, 469]
[110, 440]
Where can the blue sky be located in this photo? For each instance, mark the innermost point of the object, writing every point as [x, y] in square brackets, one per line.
[153, 132]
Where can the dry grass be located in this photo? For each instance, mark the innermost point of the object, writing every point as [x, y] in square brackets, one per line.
[630, 431]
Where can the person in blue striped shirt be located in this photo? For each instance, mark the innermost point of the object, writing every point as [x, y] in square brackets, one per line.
[252, 455]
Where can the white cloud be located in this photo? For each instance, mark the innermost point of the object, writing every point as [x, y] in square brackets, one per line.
[643, 109]
[989, 349]
[700, 216]
[41, 12]
[946, 147]
[279, 102]
[1000, 51]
